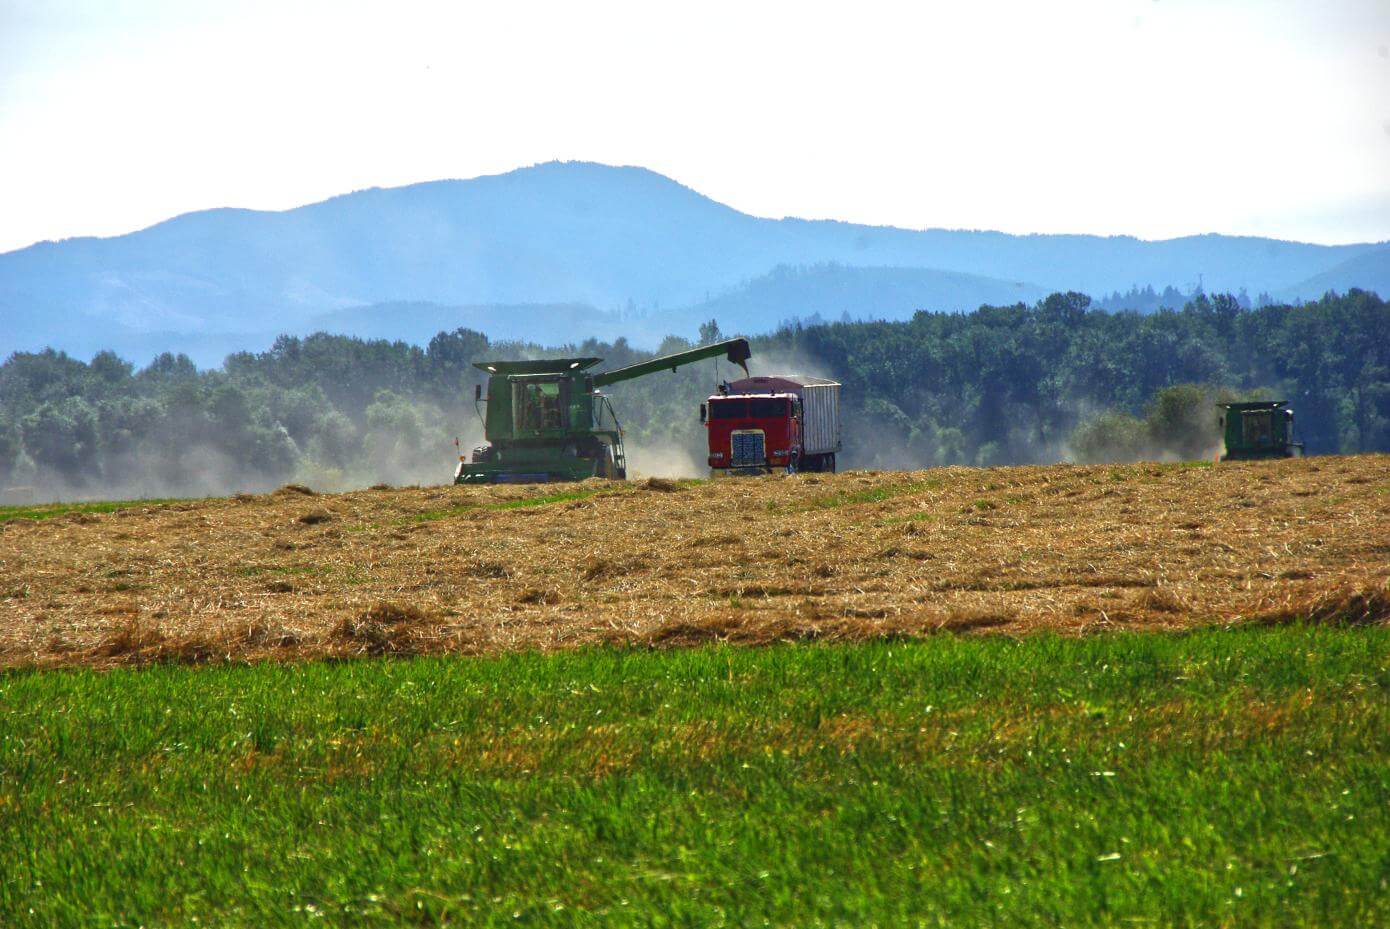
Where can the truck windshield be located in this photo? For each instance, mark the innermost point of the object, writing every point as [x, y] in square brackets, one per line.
[728, 409]
[767, 408]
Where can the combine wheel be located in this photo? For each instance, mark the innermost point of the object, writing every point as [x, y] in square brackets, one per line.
[607, 465]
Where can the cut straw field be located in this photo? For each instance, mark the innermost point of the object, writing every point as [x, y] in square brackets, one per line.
[860, 555]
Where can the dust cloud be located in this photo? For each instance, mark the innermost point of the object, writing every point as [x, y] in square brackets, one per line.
[666, 461]
[197, 470]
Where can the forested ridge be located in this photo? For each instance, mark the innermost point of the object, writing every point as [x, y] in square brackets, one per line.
[1053, 381]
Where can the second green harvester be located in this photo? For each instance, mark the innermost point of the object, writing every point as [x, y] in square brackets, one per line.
[1262, 429]
[548, 421]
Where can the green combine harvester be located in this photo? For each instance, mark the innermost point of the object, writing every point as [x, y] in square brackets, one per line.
[547, 420]
[1263, 429]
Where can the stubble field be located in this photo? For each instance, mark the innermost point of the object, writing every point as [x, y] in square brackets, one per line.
[861, 555]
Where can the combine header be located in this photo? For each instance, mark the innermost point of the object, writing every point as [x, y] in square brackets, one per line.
[547, 420]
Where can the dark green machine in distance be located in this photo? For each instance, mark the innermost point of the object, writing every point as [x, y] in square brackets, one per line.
[1258, 430]
[547, 421]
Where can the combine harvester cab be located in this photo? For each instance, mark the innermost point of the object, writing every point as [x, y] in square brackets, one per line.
[760, 424]
[548, 421]
[1253, 431]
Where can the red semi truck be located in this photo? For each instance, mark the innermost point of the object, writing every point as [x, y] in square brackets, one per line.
[758, 424]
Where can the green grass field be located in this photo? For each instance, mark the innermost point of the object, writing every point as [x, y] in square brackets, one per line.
[1218, 778]
[50, 510]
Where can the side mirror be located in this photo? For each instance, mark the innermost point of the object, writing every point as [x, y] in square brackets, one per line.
[477, 392]
[703, 413]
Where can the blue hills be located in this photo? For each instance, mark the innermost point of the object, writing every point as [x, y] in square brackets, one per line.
[560, 251]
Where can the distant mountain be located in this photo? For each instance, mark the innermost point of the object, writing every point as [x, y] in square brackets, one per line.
[826, 291]
[1368, 270]
[832, 291]
[419, 322]
[626, 241]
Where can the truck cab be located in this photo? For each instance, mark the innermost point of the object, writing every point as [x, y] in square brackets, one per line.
[754, 433]
[758, 424]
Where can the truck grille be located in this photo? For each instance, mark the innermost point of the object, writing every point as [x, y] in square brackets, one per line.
[748, 449]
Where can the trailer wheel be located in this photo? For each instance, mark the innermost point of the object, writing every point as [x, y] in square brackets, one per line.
[828, 463]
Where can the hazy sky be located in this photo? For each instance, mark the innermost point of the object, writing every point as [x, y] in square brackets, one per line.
[1151, 117]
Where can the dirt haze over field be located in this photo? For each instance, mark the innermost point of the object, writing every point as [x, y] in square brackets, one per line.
[295, 574]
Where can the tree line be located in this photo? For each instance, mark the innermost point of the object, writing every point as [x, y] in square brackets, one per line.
[1058, 380]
